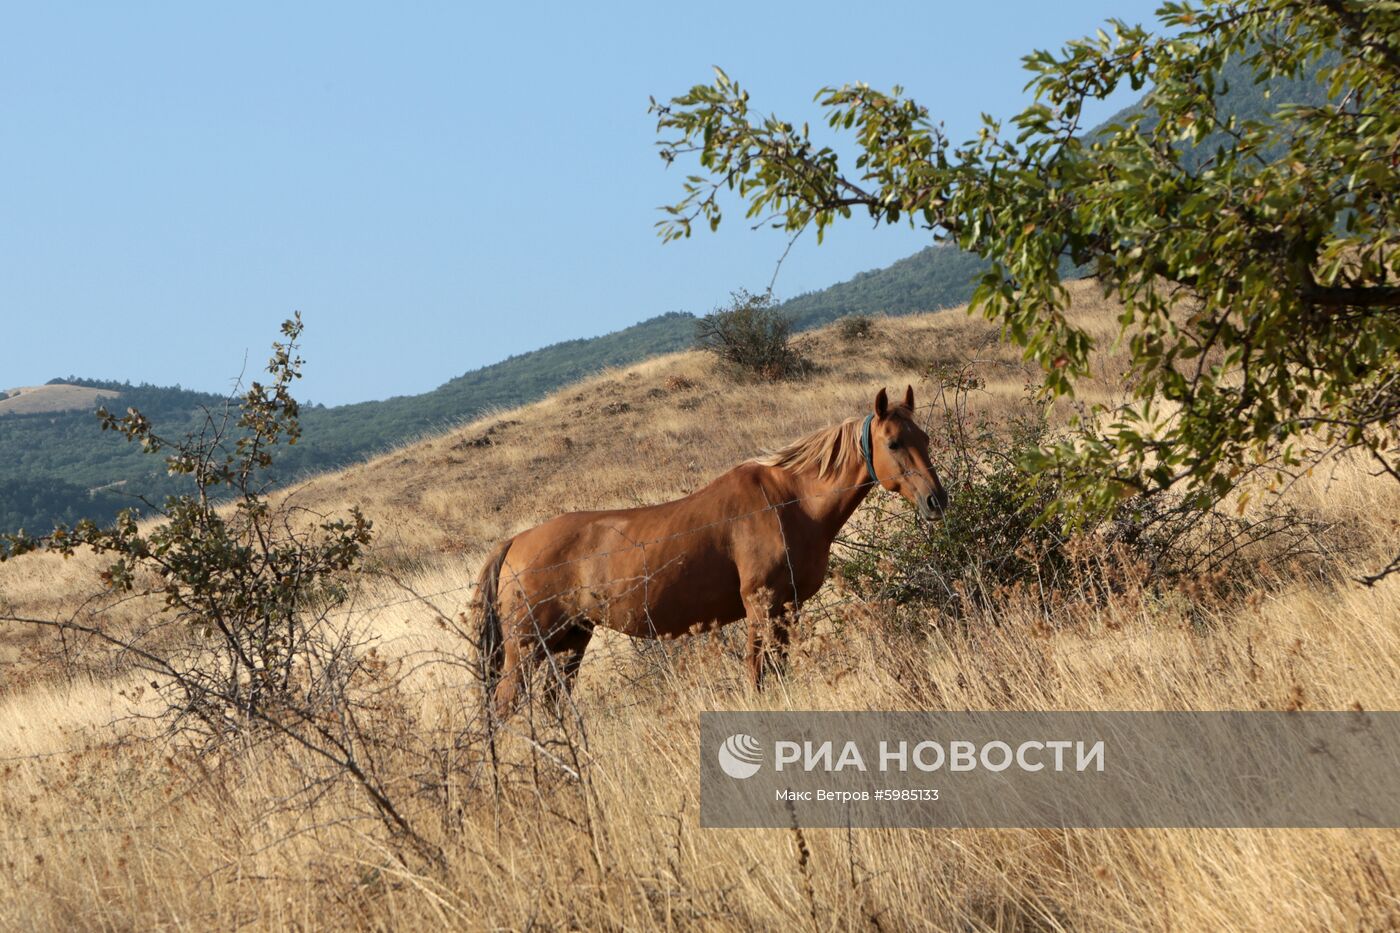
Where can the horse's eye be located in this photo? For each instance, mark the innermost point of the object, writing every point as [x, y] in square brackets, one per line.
[894, 445]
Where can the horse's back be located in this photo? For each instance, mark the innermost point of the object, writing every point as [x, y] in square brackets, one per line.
[701, 517]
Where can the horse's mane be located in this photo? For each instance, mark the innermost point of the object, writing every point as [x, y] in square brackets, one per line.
[828, 450]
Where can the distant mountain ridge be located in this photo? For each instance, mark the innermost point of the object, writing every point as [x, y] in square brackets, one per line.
[934, 278]
[56, 465]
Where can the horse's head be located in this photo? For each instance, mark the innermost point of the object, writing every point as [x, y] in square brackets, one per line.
[897, 454]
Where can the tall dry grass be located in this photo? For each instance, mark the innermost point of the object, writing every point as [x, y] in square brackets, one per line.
[593, 824]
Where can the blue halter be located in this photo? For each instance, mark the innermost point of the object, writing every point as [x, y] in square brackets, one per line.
[865, 450]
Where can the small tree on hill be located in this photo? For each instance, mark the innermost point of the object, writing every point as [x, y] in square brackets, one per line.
[1255, 259]
[856, 327]
[752, 337]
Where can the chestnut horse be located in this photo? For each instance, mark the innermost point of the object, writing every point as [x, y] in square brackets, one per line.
[752, 544]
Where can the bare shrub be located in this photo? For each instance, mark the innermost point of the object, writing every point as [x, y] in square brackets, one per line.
[856, 327]
[752, 338]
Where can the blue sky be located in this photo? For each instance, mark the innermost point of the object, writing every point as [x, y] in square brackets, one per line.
[434, 186]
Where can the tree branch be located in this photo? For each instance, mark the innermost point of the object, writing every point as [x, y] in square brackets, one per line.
[1377, 297]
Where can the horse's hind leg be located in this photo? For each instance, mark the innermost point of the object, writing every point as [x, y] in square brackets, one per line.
[523, 644]
[565, 656]
[560, 648]
[512, 683]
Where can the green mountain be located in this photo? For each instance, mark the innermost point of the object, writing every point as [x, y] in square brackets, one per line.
[57, 466]
[935, 277]
[345, 433]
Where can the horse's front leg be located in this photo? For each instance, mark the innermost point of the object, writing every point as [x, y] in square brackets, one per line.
[768, 636]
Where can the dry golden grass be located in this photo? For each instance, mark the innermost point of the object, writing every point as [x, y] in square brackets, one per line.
[132, 837]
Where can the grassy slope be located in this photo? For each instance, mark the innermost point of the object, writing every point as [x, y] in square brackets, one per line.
[119, 838]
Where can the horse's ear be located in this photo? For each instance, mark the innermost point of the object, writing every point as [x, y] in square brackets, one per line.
[882, 404]
[909, 397]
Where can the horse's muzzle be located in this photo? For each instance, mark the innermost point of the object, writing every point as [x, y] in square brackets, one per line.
[933, 505]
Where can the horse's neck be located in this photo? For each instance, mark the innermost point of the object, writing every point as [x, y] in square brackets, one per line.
[832, 500]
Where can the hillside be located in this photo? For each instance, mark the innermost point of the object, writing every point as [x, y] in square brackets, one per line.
[339, 435]
[55, 466]
[54, 397]
[600, 830]
[935, 277]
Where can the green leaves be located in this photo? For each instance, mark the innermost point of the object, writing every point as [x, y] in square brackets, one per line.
[1255, 254]
[238, 569]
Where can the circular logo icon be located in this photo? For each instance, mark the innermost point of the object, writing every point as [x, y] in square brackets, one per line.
[740, 756]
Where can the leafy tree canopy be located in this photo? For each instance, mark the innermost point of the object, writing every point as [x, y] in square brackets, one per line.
[1255, 258]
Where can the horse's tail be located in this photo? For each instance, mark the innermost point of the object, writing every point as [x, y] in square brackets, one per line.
[491, 639]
